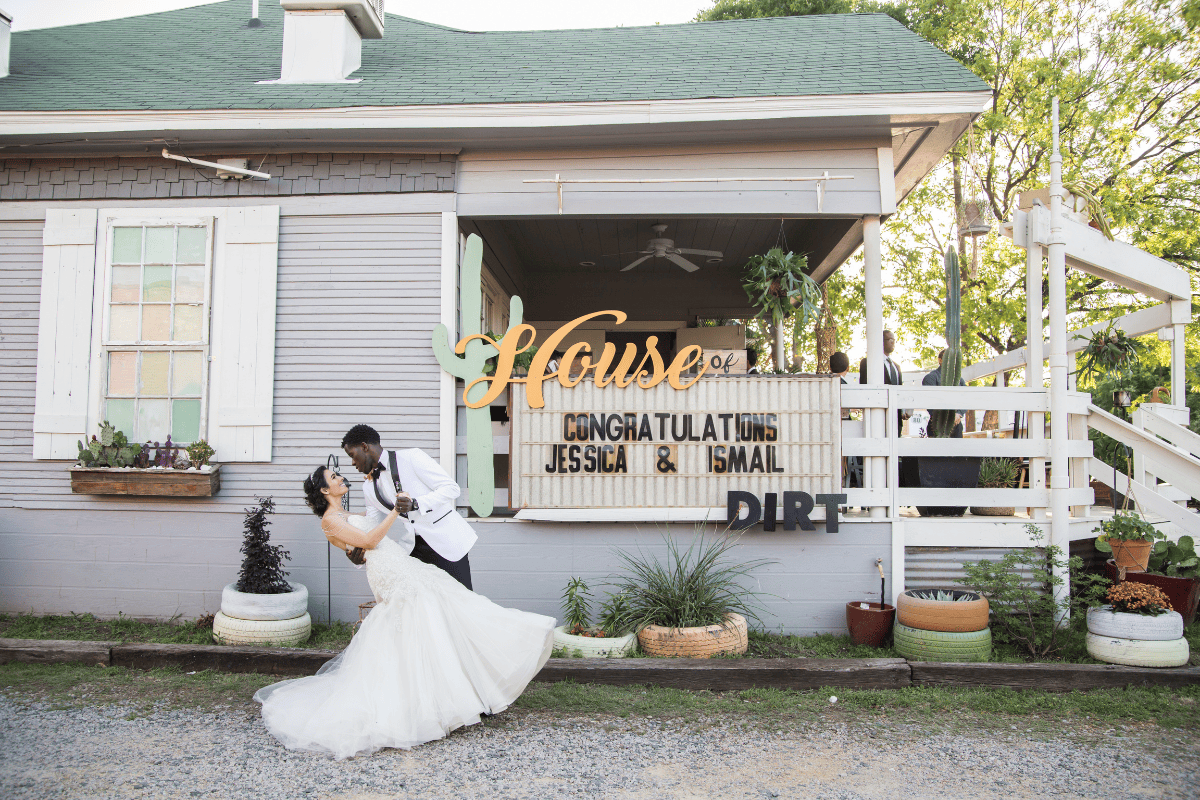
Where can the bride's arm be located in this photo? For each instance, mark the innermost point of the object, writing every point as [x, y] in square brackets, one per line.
[336, 528]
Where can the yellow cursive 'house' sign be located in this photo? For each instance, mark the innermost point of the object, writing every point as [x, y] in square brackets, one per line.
[646, 376]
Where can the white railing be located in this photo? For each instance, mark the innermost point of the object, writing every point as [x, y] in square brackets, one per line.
[888, 495]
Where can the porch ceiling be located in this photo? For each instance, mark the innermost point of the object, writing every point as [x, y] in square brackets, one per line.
[564, 267]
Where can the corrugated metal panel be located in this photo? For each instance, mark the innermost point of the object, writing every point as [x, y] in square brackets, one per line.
[941, 567]
[808, 409]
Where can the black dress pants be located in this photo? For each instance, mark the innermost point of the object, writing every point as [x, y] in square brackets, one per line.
[459, 570]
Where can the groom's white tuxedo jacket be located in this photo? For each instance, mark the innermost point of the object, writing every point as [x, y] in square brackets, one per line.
[435, 519]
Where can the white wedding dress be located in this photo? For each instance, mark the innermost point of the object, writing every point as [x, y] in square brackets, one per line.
[430, 657]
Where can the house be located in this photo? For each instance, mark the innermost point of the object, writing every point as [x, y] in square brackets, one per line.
[270, 314]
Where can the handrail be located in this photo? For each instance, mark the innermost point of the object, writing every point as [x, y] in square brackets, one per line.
[1146, 497]
[1000, 398]
[1183, 469]
[1174, 433]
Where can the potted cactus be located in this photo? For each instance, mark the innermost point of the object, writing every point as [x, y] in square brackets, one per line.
[110, 464]
[945, 472]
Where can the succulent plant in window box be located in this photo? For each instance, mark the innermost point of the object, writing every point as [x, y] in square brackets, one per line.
[199, 453]
[110, 464]
[110, 449]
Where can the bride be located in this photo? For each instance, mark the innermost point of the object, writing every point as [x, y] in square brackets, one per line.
[431, 656]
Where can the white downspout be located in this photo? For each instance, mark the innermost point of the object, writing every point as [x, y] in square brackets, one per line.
[1060, 479]
[1034, 367]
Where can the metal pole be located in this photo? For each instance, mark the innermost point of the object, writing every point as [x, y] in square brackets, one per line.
[876, 418]
[1060, 479]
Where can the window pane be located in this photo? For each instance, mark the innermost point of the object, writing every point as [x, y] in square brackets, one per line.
[185, 378]
[126, 284]
[120, 414]
[160, 245]
[157, 287]
[154, 373]
[151, 421]
[187, 323]
[192, 244]
[122, 374]
[156, 323]
[127, 245]
[189, 284]
[185, 421]
[123, 324]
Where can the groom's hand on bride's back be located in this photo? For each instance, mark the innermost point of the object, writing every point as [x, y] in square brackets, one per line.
[357, 556]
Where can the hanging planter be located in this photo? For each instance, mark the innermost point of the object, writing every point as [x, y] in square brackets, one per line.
[779, 286]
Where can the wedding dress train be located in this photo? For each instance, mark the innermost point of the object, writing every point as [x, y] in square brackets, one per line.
[430, 657]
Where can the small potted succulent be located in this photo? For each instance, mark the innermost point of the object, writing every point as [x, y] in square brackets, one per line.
[996, 473]
[199, 452]
[262, 607]
[578, 637]
[1130, 538]
[1109, 351]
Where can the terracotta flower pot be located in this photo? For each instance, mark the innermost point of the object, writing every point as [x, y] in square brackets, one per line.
[870, 625]
[1132, 554]
[704, 642]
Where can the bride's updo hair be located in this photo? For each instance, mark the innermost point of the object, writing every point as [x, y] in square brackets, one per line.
[313, 485]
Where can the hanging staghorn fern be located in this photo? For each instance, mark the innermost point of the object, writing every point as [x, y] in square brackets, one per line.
[941, 420]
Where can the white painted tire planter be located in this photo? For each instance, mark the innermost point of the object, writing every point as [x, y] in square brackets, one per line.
[593, 647]
[243, 605]
[1138, 652]
[278, 632]
[1104, 621]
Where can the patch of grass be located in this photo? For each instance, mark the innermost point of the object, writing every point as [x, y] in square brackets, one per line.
[1168, 708]
[86, 627]
[74, 685]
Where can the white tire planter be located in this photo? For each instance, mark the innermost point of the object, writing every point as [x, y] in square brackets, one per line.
[243, 605]
[1138, 652]
[1104, 621]
[278, 632]
[593, 647]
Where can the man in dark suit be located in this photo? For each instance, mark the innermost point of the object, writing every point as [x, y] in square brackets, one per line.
[934, 378]
[891, 374]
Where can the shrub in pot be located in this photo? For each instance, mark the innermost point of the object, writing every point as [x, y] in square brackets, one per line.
[693, 604]
[262, 607]
[1130, 539]
[579, 638]
[996, 473]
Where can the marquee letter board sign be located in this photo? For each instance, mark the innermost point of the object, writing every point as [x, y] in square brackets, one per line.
[592, 447]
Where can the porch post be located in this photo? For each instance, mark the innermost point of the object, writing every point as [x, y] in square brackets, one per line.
[1060, 479]
[1034, 372]
[448, 316]
[1178, 366]
[876, 418]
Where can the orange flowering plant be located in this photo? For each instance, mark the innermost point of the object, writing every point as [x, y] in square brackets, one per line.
[1138, 598]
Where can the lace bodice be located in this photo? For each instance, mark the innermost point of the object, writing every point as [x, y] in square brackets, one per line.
[393, 574]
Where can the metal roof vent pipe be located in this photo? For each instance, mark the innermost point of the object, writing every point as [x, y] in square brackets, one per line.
[322, 39]
[5, 39]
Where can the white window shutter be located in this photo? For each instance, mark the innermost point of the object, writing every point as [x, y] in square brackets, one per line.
[242, 366]
[64, 332]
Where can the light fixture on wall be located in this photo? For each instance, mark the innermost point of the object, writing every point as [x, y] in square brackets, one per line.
[587, 263]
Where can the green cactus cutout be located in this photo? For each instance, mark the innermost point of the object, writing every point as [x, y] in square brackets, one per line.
[941, 420]
[481, 475]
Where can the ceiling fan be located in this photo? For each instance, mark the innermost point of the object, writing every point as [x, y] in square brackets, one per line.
[660, 247]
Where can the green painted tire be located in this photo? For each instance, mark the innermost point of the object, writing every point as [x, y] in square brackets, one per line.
[918, 645]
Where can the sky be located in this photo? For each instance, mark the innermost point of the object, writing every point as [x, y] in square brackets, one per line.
[465, 14]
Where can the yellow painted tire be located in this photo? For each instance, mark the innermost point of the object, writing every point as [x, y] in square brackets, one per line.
[262, 632]
[956, 616]
[703, 642]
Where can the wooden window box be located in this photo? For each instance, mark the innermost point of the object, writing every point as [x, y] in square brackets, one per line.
[160, 482]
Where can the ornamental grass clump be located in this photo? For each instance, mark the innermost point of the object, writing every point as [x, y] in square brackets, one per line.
[1138, 598]
[694, 587]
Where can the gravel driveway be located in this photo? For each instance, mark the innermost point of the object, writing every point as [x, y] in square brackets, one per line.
[111, 752]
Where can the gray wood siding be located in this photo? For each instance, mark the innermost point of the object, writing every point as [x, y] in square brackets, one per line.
[491, 184]
[358, 296]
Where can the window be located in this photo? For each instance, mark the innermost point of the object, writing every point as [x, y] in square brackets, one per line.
[156, 334]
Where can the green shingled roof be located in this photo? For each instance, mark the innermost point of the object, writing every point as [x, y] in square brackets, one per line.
[206, 58]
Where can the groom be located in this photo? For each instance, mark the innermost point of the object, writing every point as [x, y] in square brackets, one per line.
[412, 481]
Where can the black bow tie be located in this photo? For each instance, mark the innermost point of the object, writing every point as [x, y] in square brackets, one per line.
[379, 469]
